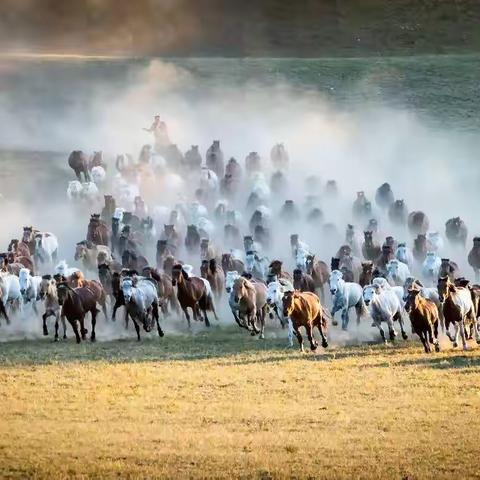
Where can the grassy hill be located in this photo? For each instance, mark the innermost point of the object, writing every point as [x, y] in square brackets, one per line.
[247, 28]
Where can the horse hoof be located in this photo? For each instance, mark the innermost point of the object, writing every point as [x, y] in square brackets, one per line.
[55, 339]
[344, 328]
[437, 347]
[465, 348]
[313, 347]
[262, 336]
[404, 336]
[93, 339]
[324, 344]
[334, 323]
[252, 334]
[455, 344]
[478, 341]
[64, 337]
[160, 333]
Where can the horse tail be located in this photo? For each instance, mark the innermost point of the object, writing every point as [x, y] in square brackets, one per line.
[362, 308]
[210, 302]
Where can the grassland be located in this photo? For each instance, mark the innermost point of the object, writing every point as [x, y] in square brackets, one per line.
[223, 405]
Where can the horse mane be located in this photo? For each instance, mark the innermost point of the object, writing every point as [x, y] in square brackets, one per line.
[213, 266]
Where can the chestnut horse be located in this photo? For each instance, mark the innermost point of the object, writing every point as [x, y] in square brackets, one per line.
[215, 276]
[305, 310]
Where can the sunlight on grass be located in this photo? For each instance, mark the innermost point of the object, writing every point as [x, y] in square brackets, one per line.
[223, 405]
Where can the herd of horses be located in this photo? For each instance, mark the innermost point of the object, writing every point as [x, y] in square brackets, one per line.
[225, 221]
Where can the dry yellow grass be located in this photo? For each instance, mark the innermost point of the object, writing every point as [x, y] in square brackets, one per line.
[223, 405]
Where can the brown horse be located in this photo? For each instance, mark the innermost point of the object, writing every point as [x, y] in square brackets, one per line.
[28, 238]
[19, 249]
[193, 292]
[76, 303]
[303, 281]
[275, 271]
[109, 208]
[78, 161]
[251, 304]
[418, 223]
[88, 253]
[132, 261]
[164, 250]
[424, 317]
[305, 310]
[215, 276]
[231, 264]
[371, 250]
[166, 293]
[319, 271]
[95, 287]
[97, 231]
[366, 276]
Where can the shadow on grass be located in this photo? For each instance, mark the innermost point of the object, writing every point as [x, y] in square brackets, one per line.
[228, 344]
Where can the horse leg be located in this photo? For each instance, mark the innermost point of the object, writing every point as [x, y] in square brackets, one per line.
[94, 322]
[263, 314]
[402, 325]
[187, 316]
[311, 339]
[156, 315]
[290, 332]
[424, 340]
[83, 330]
[463, 334]
[44, 319]
[205, 317]
[456, 333]
[391, 329]
[345, 319]
[378, 324]
[64, 324]
[3, 311]
[77, 174]
[318, 323]
[104, 308]
[300, 339]
[137, 328]
[74, 325]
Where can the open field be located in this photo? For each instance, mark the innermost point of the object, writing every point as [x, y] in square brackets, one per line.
[220, 404]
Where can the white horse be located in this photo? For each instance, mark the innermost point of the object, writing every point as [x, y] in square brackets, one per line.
[301, 259]
[260, 186]
[74, 191]
[98, 175]
[29, 287]
[196, 211]
[206, 226]
[10, 294]
[256, 266]
[46, 248]
[345, 296]
[64, 270]
[275, 292]
[397, 272]
[404, 255]
[90, 192]
[141, 300]
[434, 241]
[384, 285]
[209, 181]
[384, 306]
[431, 267]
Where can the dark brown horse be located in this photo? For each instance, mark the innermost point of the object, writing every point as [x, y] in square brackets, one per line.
[76, 303]
[78, 161]
[97, 231]
[192, 292]
[424, 318]
[215, 276]
[303, 281]
[132, 261]
[275, 271]
[109, 209]
[305, 310]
